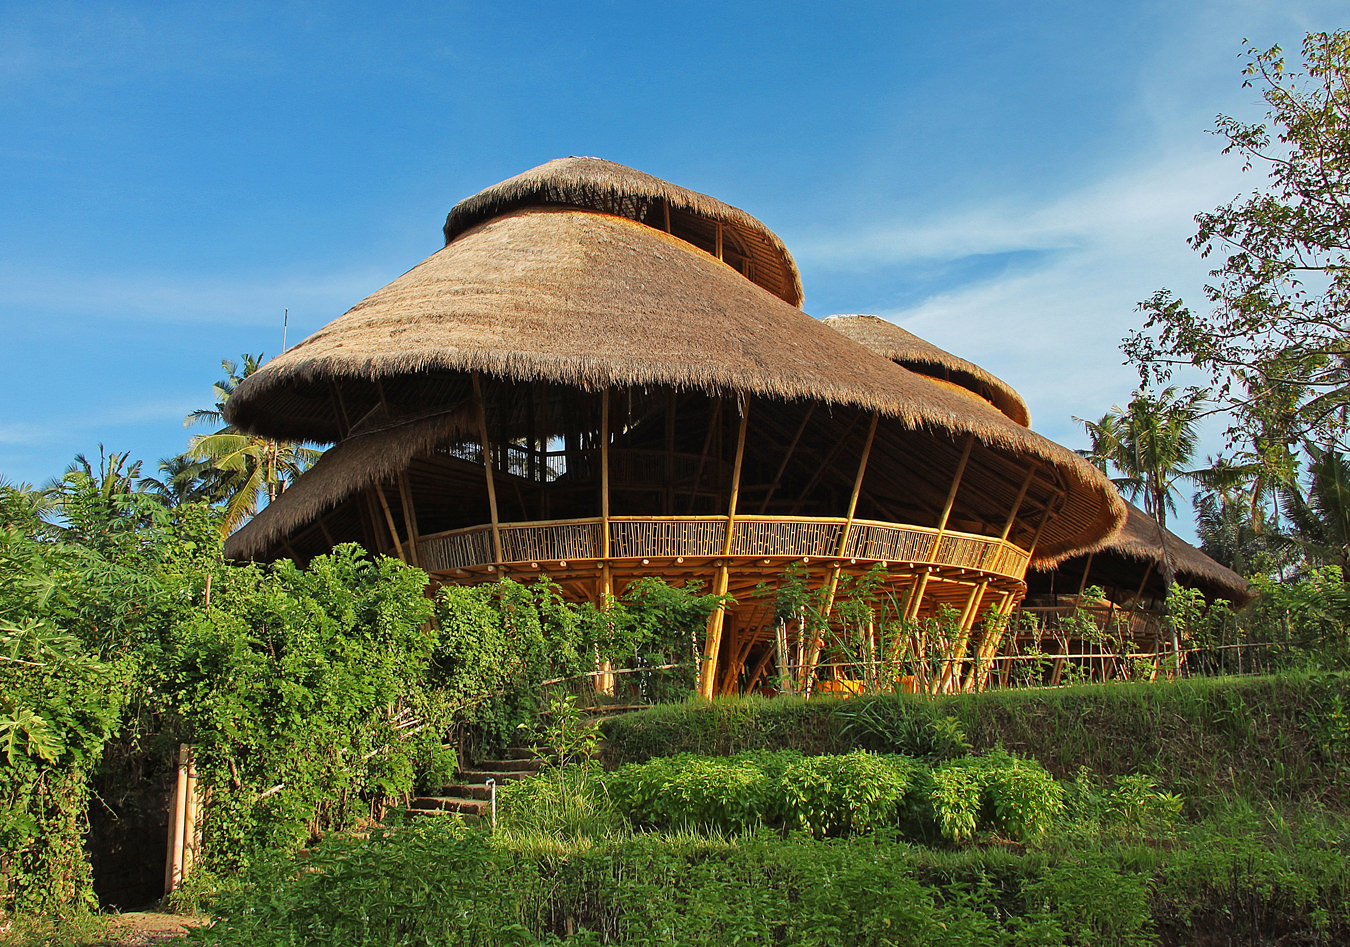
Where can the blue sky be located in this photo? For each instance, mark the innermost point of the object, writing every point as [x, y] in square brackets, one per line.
[1005, 179]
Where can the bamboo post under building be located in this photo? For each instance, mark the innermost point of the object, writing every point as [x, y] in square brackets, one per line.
[603, 376]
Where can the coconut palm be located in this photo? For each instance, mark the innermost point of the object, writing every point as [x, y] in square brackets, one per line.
[238, 472]
[1320, 520]
[1149, 443]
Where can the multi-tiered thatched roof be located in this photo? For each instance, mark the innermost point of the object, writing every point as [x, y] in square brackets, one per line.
[589, 275]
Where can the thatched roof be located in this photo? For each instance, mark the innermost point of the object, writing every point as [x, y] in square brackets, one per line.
[610, 188]
[359, 462]
[907, 349]
[1138, 541]
[568, 296]
[591, 300]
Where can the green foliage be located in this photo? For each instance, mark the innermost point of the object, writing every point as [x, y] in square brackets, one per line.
[1307, 620]
[998, 792]
[1234, 882]
[303, 693]
[728, 794]
[1274, 340]
[846, 794]
[60, 701]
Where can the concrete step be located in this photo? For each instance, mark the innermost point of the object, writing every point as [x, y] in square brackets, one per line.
[482, 775]
[475, 807]
[529, 765]
[467, 790]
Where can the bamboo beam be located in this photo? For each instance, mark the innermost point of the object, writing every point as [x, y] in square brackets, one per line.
[978, 679]
[389, 521]
[843, 538]
[736, 477]
[1017, 504]
[713, 641]
[951, 667]
[758, 672]
[409, 517]
[344, 422]
[951, 494]
[916, 597]
[487, 469]
[718, 254]
[792, 446]
[1087, 567]
[857, 484]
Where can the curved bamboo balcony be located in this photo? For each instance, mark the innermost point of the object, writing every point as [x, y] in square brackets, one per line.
[704, 537]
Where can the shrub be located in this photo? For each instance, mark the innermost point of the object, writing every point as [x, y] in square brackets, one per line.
[845, 794]
[1000, 792]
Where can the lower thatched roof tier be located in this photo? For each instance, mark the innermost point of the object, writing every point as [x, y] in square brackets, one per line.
[1090, 516]
[907, 349]
[1139, 542]
[611, 188]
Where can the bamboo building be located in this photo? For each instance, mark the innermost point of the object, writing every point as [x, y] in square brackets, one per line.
[603, 376]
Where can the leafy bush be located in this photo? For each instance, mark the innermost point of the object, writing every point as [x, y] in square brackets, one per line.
[726, 793]
[60, 701]
[303, 693]
[1000, 792]
[845, 794]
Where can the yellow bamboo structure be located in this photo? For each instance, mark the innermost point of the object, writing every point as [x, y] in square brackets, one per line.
[547, 391]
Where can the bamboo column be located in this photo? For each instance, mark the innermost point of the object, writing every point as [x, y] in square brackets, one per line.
[389, 521]
[951, 667]
[951, 496]
[487, 469]
[978, 677]
[604, 475]
[817, 643]
[713, 641]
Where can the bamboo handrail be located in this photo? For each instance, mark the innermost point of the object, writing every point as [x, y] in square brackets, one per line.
[754, 536]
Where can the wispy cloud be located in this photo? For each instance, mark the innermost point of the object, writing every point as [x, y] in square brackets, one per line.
[1051, 325]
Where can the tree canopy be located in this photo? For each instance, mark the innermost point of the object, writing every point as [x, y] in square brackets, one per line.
[1275, 340]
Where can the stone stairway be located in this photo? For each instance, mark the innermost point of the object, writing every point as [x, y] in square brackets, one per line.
[470, 796]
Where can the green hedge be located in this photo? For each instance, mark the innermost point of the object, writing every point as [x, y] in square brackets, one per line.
[438, 884]
[1284, 739]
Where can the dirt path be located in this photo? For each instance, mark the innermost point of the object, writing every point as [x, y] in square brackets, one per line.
[148, 929]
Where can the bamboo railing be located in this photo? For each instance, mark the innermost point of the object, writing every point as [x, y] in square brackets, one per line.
[699, 537]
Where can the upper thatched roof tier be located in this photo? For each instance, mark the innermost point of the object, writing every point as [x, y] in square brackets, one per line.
[907, 349]
[595, 184]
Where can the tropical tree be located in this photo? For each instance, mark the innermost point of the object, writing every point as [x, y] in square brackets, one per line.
[1320, 520]
[1276, 339]
[239, 472]
[1149, 444]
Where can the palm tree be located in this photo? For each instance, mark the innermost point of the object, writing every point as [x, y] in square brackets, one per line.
[181, 480]
[1149, 443]
[1321, 519]
[239, 472]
